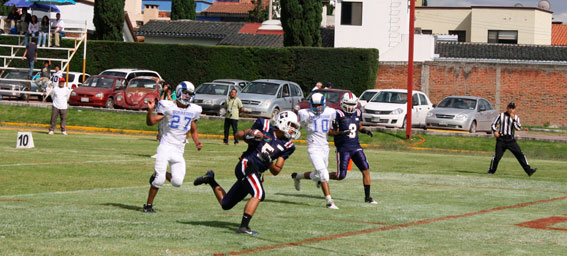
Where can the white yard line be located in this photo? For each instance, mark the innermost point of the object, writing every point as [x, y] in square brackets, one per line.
[74, 162]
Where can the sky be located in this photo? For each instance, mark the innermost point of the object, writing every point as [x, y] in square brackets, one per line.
[558, 7]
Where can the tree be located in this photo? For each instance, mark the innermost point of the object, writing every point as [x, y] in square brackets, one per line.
[301, 20]
[183, 9]
[259, 13]
[109, 19]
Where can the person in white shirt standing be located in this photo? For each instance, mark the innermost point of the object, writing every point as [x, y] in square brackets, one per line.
[318, 86]
[59, 95]
[180, 120]
[59, 26]
[317, 120]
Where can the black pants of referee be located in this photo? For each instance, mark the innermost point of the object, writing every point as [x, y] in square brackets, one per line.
[508, 142]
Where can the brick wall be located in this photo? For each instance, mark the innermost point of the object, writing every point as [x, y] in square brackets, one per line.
[540, 91]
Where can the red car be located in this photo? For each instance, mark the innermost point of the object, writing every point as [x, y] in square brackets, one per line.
[97, 91]
[139, 92]
[332, 96]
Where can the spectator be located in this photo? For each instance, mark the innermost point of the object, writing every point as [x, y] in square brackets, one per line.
[318, 86]
[44, 74]
[56, 76]
[59, 94]
[31, 54]
[233, 106]
[12, 19]
[33, 29]
[58, 26]
[25, 19]
[43, 31]
[329, 85]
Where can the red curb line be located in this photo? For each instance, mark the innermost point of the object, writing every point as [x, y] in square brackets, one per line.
[372, 230]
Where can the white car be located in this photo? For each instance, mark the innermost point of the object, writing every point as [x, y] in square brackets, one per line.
[388, 108]
[75, 79]
[129, 73]
[367, 95]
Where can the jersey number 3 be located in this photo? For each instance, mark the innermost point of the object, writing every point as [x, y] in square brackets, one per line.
[175, 119]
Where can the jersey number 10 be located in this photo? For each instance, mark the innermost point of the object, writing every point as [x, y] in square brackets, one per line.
[324, 125]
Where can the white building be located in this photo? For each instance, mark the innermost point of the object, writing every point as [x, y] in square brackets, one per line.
[381, 24]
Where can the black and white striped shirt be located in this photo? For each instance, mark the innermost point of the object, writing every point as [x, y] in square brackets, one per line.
[505, 125]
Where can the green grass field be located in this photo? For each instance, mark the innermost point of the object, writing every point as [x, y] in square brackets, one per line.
[82, 194]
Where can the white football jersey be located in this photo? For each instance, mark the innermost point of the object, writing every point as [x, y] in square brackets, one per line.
[317, 126]
[178, 121]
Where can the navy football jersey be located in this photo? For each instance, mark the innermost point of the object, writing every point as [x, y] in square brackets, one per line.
[271, 144]
[345, 122]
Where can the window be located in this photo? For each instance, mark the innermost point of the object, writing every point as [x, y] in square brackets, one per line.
[486, 104]
[503, 36]
[295, 91]
[422, 99]
[285, 91]
[426, 31]
[351, 13]
[461, 34]
[414, 100]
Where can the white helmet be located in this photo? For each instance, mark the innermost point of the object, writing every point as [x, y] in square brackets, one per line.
[288, 123]
[184, 93]
[349, 102]
[317, 99]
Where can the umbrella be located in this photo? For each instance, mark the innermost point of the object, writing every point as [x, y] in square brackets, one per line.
[52, 2]
[32, 6]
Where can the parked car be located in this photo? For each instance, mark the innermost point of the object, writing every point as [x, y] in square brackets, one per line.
[16, 86]
[267, 97]
[212, 96]
[388, 108]
[332, 96]
[367, 95]
[75, 79]
[462, 113]
[139, 92]
[97, 91]
[240, 83]
[129, 73]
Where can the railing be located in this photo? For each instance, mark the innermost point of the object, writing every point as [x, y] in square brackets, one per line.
[15, 54]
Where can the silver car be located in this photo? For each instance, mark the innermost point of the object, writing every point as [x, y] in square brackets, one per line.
[241, 83]
[467, 113]
[267, 97]
[212, 96]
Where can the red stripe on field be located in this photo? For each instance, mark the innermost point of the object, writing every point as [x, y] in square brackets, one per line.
[404, 225]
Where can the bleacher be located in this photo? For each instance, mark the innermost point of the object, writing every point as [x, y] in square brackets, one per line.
[12, 53]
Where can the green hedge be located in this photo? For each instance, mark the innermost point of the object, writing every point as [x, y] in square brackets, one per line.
[348, 68]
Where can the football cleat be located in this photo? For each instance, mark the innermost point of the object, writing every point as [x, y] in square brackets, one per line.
[64, 132]
[154, 156]
[532, 171]
[296, 181]
[246, 230]
[50, 133]
[205, 179]
[148, 208]
[370, 200]
[331, 205]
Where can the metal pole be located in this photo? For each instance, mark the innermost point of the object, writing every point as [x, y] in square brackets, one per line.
[270, 11]
[85, 52]
[410, 69]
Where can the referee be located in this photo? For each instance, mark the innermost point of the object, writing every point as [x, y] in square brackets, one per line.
[503, 128]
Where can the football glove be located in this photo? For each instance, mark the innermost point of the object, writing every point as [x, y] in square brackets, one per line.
[344, 132]
[367, 132]
[253, 135]
[265, 157]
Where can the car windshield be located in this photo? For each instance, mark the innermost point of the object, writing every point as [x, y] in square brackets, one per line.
[142, 83]
[330, 96]
[391, 97]
[367, 96]
[458, 103]
[113, 73]
[212, 89]
[17, 75]
[261, 88]
[99, 82]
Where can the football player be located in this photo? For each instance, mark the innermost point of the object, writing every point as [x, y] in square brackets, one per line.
[180, 119]
[345, 129]
[317, 121]
[265, 142]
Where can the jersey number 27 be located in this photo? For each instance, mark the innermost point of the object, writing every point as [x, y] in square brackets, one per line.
[175, 119]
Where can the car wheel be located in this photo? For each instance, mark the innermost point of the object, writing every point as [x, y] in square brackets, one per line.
[222, 112]
[109, 103]
[473, 127]
[275, 112]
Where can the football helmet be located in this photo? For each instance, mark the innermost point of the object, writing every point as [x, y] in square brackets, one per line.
[317, 99]
[349, 102]
[288, 123]
[184, 93]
